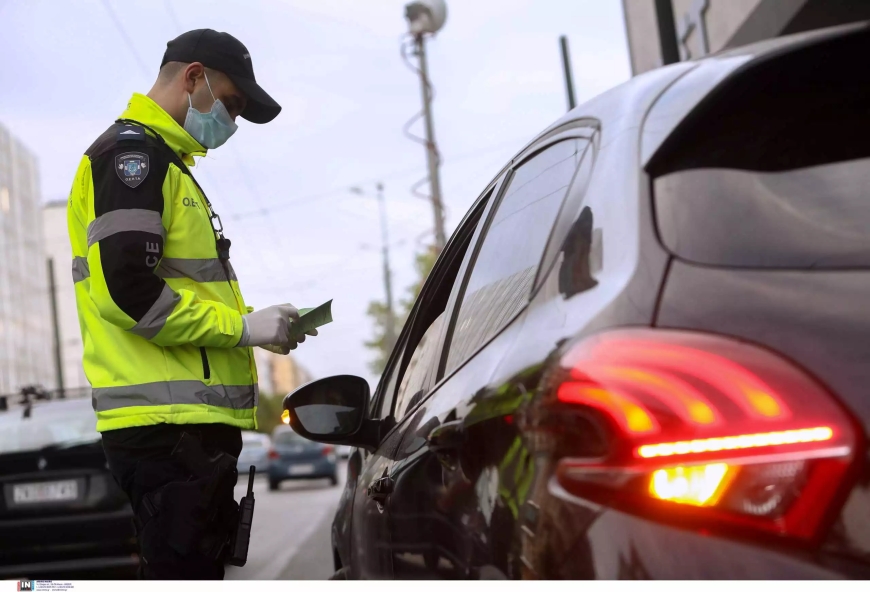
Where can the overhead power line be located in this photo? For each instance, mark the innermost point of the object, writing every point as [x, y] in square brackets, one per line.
[123, 32]
[167, 4]
[343, 189]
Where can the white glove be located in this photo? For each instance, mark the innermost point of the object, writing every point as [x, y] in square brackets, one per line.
[270, 326]
[284, 350]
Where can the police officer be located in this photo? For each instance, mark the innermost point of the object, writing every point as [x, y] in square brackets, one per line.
[167, 335]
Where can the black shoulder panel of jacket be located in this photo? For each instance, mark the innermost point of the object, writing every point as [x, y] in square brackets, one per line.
[112, 189]
[128, 173]
[122, 135]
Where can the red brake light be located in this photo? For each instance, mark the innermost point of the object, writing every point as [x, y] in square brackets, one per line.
[327, 450]
[733, 430]
[273, 454]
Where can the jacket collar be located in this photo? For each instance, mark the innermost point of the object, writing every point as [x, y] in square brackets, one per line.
[146, 111]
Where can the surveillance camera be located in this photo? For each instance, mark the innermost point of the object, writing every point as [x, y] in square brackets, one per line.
[425, 16]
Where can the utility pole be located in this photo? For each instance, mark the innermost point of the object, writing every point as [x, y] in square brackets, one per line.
[390, 336]
[566, 68]
[58, 359]
[432, 158]
[427, 17]
[390, 326]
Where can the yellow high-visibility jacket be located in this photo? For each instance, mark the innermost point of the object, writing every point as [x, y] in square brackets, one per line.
[160, 312]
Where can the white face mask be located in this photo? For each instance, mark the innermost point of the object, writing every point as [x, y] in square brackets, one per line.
[210, 129]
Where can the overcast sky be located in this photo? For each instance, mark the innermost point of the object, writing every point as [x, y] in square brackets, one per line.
[67, 70]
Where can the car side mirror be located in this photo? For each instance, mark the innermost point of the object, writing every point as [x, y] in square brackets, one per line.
[333, 410]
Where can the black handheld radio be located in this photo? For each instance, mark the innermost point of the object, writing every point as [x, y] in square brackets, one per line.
[242, 536]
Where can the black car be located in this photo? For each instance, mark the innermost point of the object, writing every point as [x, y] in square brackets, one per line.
[61, 513]
[644, 352]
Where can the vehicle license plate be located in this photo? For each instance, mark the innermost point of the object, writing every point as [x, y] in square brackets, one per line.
[50, 491]
[301, 469]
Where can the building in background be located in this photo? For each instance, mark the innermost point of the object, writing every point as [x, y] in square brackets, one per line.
[666, 31]
[58, 249]
[25, 310]
[279, 375]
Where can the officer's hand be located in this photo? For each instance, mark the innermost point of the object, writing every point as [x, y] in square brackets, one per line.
[301, 338]
[276, 349]
[283, 350]
[269, 326]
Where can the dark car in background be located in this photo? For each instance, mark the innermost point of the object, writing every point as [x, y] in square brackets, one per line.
[61, 512]
[293, 457]
[255, 451]
[645, 350]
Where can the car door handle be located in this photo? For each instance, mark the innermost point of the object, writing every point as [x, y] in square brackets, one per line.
[381, 489]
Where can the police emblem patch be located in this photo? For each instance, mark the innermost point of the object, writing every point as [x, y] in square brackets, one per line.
[132, 168]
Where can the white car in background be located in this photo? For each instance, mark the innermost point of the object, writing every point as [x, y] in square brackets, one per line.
[255, 451]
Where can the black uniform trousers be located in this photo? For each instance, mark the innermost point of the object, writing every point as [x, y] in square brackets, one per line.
[141, 462]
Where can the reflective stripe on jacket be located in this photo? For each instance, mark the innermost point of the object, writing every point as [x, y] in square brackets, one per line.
[160, 314]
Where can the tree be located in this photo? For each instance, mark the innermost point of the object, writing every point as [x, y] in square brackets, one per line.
[423, 263]
[269, 411]
[378, 311]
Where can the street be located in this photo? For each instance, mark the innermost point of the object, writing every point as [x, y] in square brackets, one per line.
[579, 291]
[290, 536]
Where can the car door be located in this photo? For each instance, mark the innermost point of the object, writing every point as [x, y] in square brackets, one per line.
[462, 471]
[410, 371]
[417, 368]
[361, 535]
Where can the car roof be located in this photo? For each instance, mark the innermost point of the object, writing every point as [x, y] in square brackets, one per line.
[250, 435]
[626, 106]
[283, 429]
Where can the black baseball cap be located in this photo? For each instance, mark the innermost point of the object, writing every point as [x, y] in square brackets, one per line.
[224, 53]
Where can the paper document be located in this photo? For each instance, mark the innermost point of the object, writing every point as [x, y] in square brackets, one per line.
[311, 318]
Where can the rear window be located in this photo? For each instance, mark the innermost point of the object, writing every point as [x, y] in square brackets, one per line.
[287, 437]
[808, 218]
[52, 424]
[770, 169]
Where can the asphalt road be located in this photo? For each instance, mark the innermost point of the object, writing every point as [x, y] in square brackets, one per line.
[290, 536]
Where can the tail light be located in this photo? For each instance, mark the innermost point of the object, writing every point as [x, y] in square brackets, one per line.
[327, 450]
[273, 454]
[706, 429]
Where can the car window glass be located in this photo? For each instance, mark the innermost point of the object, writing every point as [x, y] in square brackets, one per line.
[804, 218]
[385, 401]
[423, 365]
[423, 330]
[505, 267]
[566, 236]
[287, 437]
[51, 424]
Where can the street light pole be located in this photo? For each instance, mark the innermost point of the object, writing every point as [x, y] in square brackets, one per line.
[427, 17]
[432, 159]
[390, 325]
